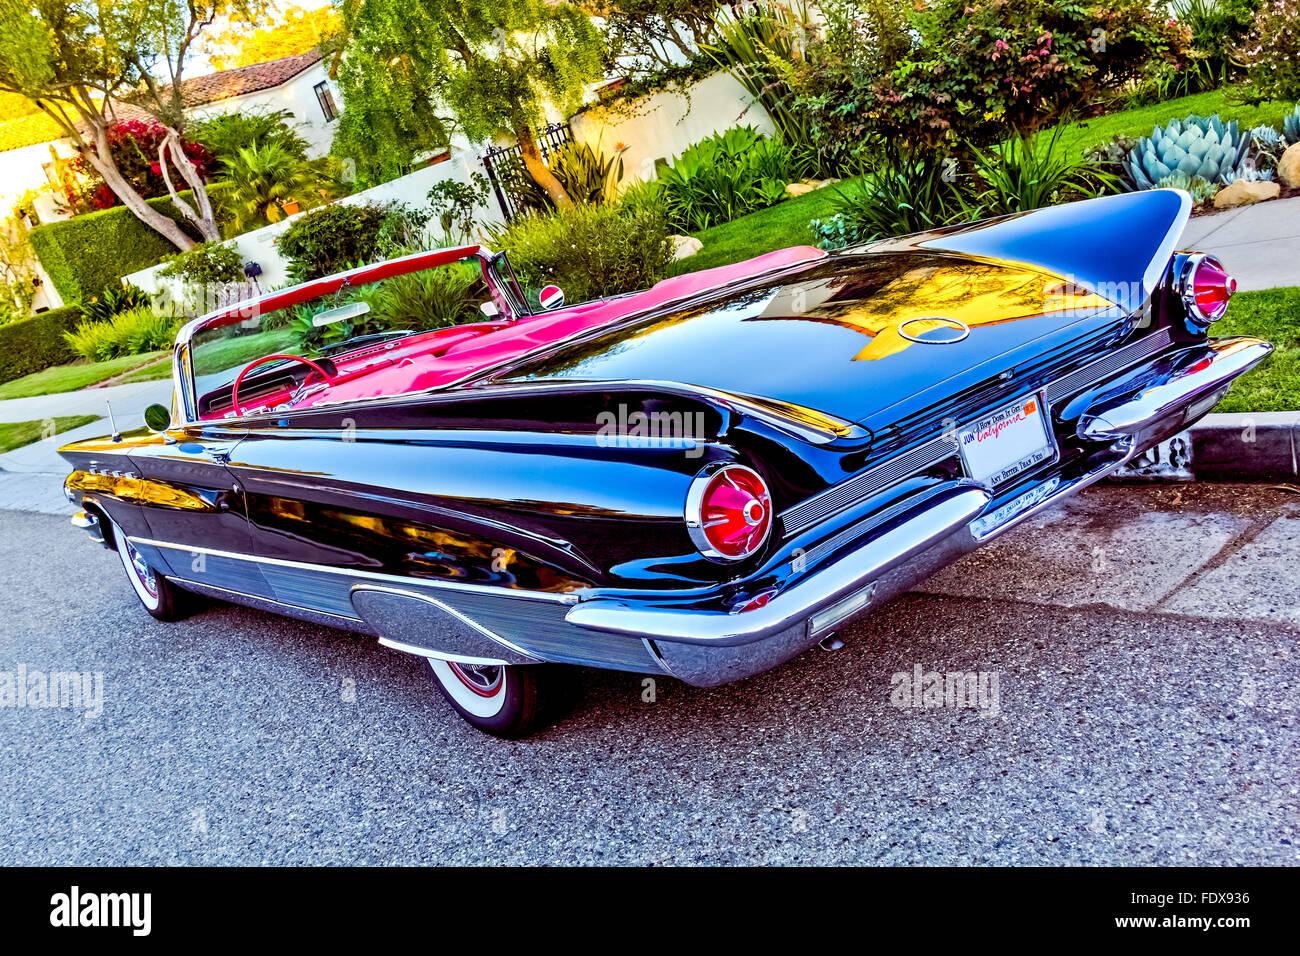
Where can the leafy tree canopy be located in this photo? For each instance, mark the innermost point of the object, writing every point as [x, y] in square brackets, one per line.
[289, 33]
[493, 64]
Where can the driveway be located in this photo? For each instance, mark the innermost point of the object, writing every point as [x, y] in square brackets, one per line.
[1142, 640]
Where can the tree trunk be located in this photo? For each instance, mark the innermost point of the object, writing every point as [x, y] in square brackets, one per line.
[203, 219]
[102, 159]
[538, 169]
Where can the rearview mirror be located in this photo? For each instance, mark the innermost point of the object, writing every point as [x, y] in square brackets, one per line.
[158, 418]
[341, 313]
[551, 297]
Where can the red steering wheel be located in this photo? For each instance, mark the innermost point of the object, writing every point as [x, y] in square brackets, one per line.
[234, 390]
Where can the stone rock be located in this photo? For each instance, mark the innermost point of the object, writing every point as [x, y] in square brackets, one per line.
[807, 186]
[684, 246]
[1243, 193]
[1288, 167]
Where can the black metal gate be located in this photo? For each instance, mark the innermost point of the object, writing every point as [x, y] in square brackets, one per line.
[508, 175]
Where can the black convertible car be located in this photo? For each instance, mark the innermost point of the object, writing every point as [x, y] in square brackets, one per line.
[700, 480]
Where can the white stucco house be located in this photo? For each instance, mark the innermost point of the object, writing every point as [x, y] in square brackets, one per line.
[299, 85]
[31, 146]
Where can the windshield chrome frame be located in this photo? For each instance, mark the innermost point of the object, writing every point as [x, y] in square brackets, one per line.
[506, 294]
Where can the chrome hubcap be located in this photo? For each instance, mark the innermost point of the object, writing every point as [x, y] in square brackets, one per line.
[142, 570]
[482, 679]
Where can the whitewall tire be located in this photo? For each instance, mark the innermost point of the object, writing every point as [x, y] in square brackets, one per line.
[159, 597]
[504, 700]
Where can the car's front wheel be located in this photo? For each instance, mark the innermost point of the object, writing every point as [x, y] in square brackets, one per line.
[510, 701]
[159, 596]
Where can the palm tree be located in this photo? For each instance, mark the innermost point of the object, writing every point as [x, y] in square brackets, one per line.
[258, 180]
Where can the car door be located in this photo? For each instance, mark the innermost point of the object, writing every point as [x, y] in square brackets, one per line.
[196, 510]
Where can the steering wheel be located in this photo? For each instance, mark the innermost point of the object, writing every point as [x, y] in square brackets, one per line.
[234, 390]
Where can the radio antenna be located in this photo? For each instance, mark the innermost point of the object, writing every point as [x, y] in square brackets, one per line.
[117, 435]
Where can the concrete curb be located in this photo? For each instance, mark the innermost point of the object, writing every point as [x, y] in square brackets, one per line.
[1246, 446]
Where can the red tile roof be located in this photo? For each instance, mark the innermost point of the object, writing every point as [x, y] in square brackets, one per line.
[226, 84]
[196, 91]
[27, 131]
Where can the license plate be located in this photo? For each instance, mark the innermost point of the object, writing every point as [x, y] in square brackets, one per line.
[1006, 442]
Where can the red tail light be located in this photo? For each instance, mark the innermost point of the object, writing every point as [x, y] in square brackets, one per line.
[1206, 288]
[729, 513]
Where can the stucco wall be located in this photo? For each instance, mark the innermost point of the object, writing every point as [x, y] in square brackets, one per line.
[297, 96]
[259, 245]
[660, 126]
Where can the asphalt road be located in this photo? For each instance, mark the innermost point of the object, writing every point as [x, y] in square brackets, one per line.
[1143, 642]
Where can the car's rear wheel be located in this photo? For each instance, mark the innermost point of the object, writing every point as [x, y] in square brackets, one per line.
[160, 597]
[510, 701]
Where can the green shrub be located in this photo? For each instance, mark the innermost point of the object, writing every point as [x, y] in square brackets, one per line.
[429, 299]
[31, 345]
[419, 301]
[332, 239]
[86, 254]
[1271, 51]
[1029, 172]
[586, 175]
[724, 177]
[133, 332]
[908, 191]
[590, 251]
[112, 301]
[983, 68]
[1216, 26]
[206, 262]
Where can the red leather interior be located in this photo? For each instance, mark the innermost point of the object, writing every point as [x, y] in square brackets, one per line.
[438, 358]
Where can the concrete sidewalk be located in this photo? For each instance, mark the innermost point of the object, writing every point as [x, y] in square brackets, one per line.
[1259, 244]
[129, 402]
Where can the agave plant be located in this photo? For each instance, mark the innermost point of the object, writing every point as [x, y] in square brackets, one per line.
[1195, 146]
[1291, 126]
[1195, 186]
[1268, 146]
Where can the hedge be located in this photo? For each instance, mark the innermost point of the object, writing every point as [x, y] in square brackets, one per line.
[31, 345]
[86, 254]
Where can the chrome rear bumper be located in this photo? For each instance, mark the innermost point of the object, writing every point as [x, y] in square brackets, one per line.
[707, 646]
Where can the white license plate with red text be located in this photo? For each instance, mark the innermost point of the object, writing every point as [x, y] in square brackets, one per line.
[1006, 442]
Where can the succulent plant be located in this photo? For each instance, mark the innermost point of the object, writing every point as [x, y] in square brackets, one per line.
[1291, 126]
[1195, 146]
[1200, 190]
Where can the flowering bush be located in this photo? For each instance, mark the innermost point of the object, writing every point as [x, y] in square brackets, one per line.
[133, 145]
[985, 65]
[1271, 51]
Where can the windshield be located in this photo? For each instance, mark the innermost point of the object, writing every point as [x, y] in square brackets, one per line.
[332, 326]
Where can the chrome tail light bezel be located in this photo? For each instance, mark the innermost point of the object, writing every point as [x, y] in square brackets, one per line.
[1187, 288]
[695, 504]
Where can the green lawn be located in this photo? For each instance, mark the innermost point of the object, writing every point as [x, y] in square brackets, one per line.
[1081, 136]
[221, 354]
[1275, 385]
[779, 226]
[211, 357]
[786, 224]
[16, 434]
[69, 378]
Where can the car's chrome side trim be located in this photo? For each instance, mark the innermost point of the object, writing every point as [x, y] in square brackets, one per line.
[396, 579]
[261, 603]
